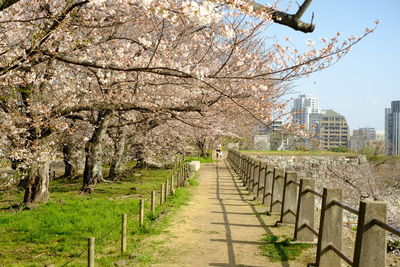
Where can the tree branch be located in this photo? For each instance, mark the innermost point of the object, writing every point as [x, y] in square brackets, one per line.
[290, 20]
[122, 107]
[7, 3]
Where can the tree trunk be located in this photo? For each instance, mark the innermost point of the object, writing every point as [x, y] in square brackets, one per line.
[37, 187]
[139, 156]
[201, 144]
[71, 169]
[92, 173]
[119, 151]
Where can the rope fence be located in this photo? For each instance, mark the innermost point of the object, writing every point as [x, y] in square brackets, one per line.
[181, 172]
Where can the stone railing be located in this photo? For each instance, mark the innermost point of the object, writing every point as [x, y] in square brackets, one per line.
[294, 199]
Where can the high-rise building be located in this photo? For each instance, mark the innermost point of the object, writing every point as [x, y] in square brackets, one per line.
[332, 129]
[306, 111]
[392, 129]
[361, 138]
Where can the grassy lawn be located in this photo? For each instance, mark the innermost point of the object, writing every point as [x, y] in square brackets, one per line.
[300, 153]
[56, 232]
[281, 249]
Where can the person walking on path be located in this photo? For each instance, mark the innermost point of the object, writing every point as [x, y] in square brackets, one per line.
[219, 151]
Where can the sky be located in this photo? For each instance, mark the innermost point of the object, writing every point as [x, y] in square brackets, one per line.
[362, 84]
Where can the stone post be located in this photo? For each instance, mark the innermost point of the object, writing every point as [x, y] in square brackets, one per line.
[246, 171]
[251, 180]
[305, 211]
[261, 177]
[256, 169]
[330, 229]
[277, 189]
[370, 247]
[267, 191]
[289, 203]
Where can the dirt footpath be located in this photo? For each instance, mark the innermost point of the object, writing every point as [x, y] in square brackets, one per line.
[219, 227]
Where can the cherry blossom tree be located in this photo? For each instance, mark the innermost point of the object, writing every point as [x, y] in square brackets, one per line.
[169, 60]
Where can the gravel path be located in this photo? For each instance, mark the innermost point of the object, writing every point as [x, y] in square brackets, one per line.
[219, 227]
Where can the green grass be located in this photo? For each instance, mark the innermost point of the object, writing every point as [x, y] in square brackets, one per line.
[57, 230]
[300, 153]
[201, 159]
[281, 249]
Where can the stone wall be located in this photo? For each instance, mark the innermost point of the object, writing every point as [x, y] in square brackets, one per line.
[325, 171]
[317, 167]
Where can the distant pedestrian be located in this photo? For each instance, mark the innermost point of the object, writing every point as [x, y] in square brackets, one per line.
[219, 151]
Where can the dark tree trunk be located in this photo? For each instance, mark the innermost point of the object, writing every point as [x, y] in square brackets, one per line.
[119, 151]
[139, 156]
[71, 169]
[93, 151]
[201, 144]
[37, 184]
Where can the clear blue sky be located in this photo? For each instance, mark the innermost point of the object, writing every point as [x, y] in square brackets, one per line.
[365, 81]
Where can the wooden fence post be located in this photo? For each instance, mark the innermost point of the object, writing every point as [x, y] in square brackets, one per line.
[305, 211]
[162, 194]
[172, 185]
[330, 229]
[166, 188]
[370, 247]
[141, 212]
[153, 201]
[91, 252]
[277, 189]
[123, 233]
[289, 198]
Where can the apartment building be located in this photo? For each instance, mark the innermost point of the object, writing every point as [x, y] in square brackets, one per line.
[332, 129]
[306, 111]
[362, 138]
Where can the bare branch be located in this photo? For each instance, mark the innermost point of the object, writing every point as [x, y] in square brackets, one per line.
[290, 20]
[7, 3]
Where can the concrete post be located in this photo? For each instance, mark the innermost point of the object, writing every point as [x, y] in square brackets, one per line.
[289, 203]
[162, 194]
[257, 171]
[252, 171]
[123, 233]
[277, 190]
[141, 212]
[91, 252]
[305, 212]
[330, 229]
[246, 171]
[240, 166]
[370, 247]
[261, 177]
[268, 178]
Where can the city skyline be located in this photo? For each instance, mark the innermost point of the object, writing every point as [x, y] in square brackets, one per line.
[363, 83]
